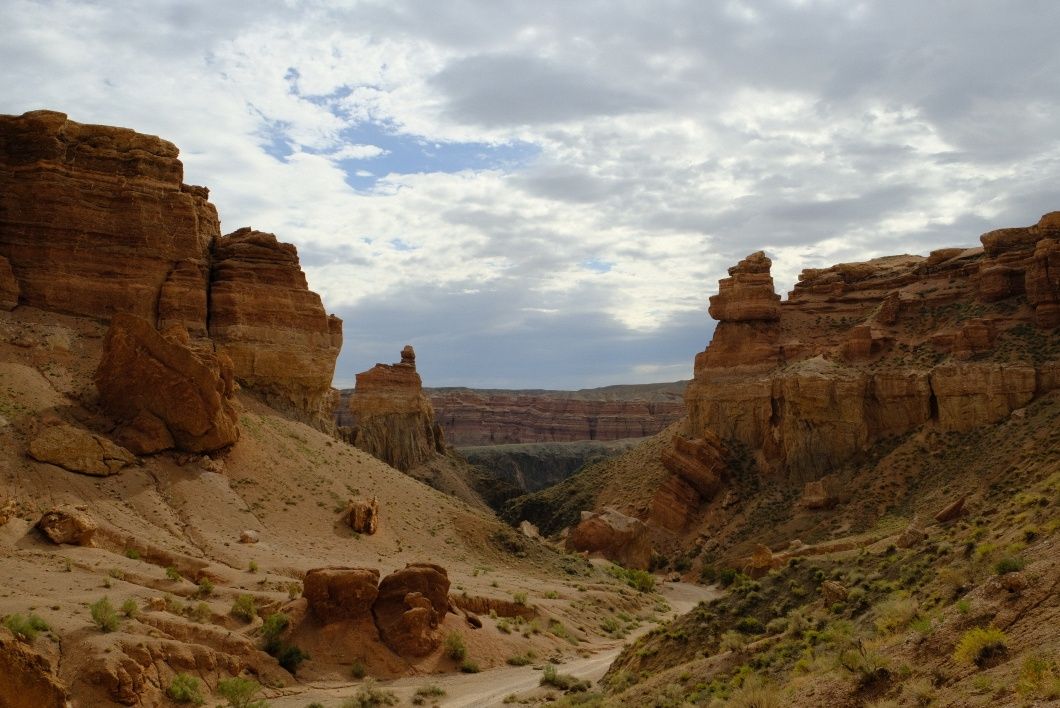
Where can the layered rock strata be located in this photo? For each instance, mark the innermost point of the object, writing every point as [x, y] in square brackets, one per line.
[97, 221]
[390, 416]
[263, 316]
[863, 351]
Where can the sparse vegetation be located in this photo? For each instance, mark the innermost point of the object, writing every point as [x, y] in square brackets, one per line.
[240, 692]
[564, 682]
[978, 645]
[468, 666]
[173, 574]
[455, 648]
[185, 689]
[104, 615]
[130, 608]
[369, 696]
[244, 608]
[26, 627]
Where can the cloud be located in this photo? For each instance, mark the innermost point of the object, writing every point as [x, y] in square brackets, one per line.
[546, 194]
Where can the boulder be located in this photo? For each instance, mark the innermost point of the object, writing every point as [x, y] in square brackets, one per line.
[68, 524]
[833, 592]
[165, 393]
[818, 495]
[760, 562]
[248, 536]
[529, 530]
[951, 511]
[614, 535]
[911, 536]
[412, 603]
[338, 593]
[78, 450]
[362, 515]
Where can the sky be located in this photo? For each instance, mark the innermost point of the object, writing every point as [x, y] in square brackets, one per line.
[543, 194]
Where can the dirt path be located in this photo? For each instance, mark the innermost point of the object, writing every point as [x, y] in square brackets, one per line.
[489, 688]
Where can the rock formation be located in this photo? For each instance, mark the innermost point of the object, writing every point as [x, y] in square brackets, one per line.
[68, 524]
[614, 535]
[78, 450]
[263, 316]
[362, 515]
[341, 593]
[29, 680]
[472, 417]
[391, 417]
[863, 351]
[96, 221]
[412, 603]
[164, 393]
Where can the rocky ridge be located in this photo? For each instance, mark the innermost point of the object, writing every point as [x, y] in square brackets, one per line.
[97, 221]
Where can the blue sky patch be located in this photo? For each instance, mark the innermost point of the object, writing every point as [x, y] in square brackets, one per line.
[598, 266]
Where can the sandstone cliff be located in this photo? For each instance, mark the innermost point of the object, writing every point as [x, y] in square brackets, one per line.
[391, 418]
[96, 221]
[863, 351]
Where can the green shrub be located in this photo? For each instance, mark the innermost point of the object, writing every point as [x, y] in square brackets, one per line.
[564, 682]
[430, 691]
[519, 598]
[369, 696]
[895, 614]
[173, 574]
[274, 625]
[867, 667]
[26, 628]
[205, 588]
[290, 656]
[749, 625]
[252, 567]
[358, 669]
[103, 615]
[130, 608]
[135, 555]
[185, 689]
[244, 608]
[521, 659]
[977, 645]
[1009, 565]
[240, 692]
[467, 666]
[455, 648]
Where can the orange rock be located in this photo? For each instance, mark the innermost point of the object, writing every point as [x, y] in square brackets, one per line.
[760, 562]
[614, 535]
[747, 295]
[951, 511]
[412, 603]
[1043, 282]
[78, 450]
[701, 463]
[338, 593]
[362, 515]
[29, 680]
[818, 495]
[68, 524]
[392, 418]
[263, 315]
[93, 218]
[160, 386]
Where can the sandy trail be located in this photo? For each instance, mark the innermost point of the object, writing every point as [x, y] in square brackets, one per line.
[489, 688]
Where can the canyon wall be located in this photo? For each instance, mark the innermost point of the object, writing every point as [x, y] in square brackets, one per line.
[863, 351]
[96, 221]
[475, 417]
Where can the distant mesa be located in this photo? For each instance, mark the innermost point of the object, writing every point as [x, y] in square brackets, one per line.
[96, 221]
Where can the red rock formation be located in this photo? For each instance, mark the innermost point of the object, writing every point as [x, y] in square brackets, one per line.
[473, 417]
[700, 463]
[614, 535]
[263, 315]
[95, 221]
[340, 593]
[391, 417]
[29, 680]
[412, 603]
[362, 515]
[862, 351]
[165, 394]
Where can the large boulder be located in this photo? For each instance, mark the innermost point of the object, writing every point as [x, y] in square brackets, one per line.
[68, 524]
[362, 515]
[337, 593]
[78, 450]
[412, 603]
[165, 394]
[610, 533]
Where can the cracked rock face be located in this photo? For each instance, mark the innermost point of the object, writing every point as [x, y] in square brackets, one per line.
[78, 450]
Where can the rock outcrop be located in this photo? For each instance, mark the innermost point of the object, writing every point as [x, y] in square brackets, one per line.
[95, 221]
[863, 351]
[263, 315]
[614, 535]
[341, 593]
[165, 394]
[700, 463]
[412, 603]
[29, 681]
[391, 418]
[362, 515]
[78, 450]
[68, 524]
